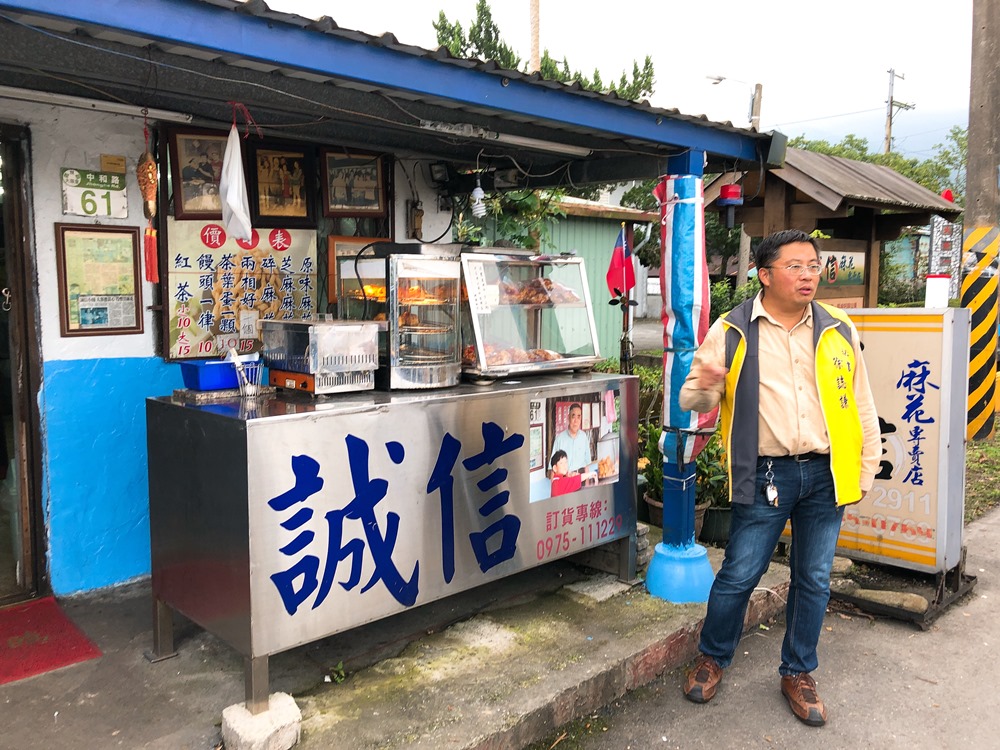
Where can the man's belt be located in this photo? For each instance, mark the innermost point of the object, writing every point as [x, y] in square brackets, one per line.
[801, 457]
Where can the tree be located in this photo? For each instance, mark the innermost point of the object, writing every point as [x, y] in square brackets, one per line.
[638, 87]
[946, 169]
[484, 39]
[484, 42]
[954, 154]
[719, 241]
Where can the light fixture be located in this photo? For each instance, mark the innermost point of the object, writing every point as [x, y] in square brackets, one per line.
[477, 195]
[466, 130]
[115, 108]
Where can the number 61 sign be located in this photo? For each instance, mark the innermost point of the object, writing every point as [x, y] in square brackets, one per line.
[89, 193]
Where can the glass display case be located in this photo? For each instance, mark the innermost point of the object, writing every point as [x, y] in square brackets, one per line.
[412, 292]
[526, 313]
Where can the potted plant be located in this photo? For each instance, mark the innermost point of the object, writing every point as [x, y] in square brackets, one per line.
[712, 486]
[651, 467]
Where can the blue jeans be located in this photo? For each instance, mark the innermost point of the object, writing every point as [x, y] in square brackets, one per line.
[806, 495]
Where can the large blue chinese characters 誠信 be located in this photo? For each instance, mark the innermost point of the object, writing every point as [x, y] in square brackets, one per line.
[297, 583]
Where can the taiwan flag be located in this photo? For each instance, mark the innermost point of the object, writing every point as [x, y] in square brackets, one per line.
[621, 274]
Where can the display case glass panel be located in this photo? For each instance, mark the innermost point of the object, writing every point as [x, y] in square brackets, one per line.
[415, 299]
[526, 313]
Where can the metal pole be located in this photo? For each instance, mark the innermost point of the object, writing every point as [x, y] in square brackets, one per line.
[536, 60]
[743, 260]
[887, 144]
[981, 234]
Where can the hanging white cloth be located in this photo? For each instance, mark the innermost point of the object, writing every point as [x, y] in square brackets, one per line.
[233, 190]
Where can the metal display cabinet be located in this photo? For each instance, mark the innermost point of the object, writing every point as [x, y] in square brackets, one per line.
[526, 314]
[412, 291]
[280, 521]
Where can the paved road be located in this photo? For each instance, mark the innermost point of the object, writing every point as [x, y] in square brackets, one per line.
[886, 684]
[647, 334]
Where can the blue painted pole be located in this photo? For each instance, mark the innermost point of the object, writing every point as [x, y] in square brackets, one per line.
[680, 570]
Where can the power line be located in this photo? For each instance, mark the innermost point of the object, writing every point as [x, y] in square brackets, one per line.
[830, 117]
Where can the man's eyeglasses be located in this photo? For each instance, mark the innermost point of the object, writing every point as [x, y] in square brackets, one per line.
[796, 270]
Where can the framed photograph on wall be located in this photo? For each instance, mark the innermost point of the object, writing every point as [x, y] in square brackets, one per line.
[353, 185]
[196, 168]
[339, 249]
[100, 292]
[280, 178]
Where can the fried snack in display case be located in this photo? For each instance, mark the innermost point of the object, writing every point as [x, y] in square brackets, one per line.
[412, 292]
[525, 313]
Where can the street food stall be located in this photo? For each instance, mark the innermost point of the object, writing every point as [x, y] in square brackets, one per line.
[284, 518]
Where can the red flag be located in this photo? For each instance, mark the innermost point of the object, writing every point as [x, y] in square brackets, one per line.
[621, 274]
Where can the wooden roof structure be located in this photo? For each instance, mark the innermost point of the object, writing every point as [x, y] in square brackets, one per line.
[860, 205]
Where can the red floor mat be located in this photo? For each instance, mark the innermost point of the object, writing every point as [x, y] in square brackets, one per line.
[37, 637]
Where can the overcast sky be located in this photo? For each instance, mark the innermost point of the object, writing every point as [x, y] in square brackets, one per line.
[823, 65]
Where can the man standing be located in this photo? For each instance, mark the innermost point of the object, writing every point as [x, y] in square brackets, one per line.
[802, 441]
[574, 441]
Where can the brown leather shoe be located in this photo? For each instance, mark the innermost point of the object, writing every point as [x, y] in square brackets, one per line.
[702, 680]
[800, 691]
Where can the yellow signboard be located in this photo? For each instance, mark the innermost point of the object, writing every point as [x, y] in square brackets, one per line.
[918, 371]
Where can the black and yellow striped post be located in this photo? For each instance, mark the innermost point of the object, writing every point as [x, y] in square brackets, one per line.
[979, 295]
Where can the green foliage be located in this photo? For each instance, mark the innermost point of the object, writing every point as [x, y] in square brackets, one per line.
[894, 287]
[337, 674]
[651, 459]
[954, 155]
[525, 217]
[650, 378]
[719, 241]
[483, 41]
[946, 169]
[639, 86]
[711, 477]
[724, 297]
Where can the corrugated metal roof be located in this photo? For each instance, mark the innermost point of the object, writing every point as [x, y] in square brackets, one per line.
[361, 90]
[858, 182]
[836, 182]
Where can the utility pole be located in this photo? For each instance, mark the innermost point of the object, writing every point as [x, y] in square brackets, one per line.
[536, 59]
[981, 235]
[890, 109]
[743, 260]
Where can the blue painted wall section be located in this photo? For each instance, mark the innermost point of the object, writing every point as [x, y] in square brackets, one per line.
[95, 488]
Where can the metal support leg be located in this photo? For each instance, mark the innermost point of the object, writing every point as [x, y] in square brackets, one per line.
[627, 559]
[255, 677]
[163, 632]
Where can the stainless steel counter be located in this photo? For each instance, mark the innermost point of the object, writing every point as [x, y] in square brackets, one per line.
[280, 521]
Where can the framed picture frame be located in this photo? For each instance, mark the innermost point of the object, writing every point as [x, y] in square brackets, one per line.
[342, 248]
[353, 184]
[100, 291]
[281, 178]
[196, 168]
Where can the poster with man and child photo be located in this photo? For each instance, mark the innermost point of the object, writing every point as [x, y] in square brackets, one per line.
[573, 443]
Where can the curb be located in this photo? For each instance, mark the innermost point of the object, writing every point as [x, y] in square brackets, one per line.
[634, 671]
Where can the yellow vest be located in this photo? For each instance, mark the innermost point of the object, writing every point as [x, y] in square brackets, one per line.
[835, 368]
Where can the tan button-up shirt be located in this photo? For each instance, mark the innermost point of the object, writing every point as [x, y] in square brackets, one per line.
[791, 419]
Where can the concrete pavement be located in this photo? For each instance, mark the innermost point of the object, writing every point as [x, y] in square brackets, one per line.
[485, 669]
[887, 684]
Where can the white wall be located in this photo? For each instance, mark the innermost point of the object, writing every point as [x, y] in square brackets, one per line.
[411, 176]
[65, 137]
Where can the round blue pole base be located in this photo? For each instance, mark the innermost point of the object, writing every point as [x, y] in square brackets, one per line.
[680, 574]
